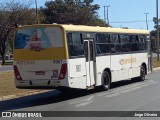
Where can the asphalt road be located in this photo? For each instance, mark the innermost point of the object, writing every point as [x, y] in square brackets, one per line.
[123, 96]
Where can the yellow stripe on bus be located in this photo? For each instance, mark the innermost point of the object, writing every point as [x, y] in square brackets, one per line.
[47, 54]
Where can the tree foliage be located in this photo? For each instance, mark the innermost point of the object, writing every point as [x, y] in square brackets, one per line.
[154, 32]
[71, 12]
[82, 12]
[10, 13]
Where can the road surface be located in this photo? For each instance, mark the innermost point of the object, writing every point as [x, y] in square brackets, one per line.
[123, 96]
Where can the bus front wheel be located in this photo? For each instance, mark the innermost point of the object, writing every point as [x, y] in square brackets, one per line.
[106, 81]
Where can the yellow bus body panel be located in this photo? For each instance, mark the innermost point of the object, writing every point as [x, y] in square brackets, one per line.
[47, 54]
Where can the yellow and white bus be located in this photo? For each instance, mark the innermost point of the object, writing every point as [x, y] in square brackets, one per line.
[78, 56]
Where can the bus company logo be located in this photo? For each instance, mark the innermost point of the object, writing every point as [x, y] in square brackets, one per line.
[127, 61]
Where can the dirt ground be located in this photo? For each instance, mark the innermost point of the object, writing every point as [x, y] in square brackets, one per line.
[7, 86]
[155, 63]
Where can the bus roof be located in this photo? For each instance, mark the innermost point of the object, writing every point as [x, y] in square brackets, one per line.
[84, 28]
[103, 29]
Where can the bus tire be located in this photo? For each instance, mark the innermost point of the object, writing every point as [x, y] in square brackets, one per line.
[142, 74]
[106, 81]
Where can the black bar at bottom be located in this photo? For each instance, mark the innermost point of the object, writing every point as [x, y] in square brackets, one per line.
[80, 114]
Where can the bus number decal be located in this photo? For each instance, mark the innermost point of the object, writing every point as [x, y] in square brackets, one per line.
[57, 61]
[78, 68]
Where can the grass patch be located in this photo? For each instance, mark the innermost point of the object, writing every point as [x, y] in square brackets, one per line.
[155, 62]
[7, 86]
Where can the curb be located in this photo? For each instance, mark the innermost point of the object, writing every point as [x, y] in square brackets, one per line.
[9, 97]
[158, 68]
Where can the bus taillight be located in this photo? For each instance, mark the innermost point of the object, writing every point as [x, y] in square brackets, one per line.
[16, 72]
[63, 71]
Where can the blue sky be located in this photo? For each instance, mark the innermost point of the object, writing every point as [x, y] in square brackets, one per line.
[122, 11]
[126, 10]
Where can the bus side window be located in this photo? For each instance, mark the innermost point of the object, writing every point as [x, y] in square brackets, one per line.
[86, 50]
[115, 43]
[102, 43]
[134, 43]
[142, 42]
[125, 43]
[75, 44]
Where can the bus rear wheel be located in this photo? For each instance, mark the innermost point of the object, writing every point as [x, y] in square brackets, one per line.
[106, 81]
[142, 74]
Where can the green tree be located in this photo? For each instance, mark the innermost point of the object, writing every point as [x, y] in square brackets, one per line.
[10, 13]
[154, 35]
[154, 32]
[72, 12]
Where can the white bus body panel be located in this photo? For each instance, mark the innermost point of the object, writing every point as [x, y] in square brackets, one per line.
[140, 59]
[90, 73]
[120, 71]
[29, 72]
[102, 62]
[77, 73]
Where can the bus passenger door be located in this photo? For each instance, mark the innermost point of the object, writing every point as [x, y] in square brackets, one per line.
[90, 61]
